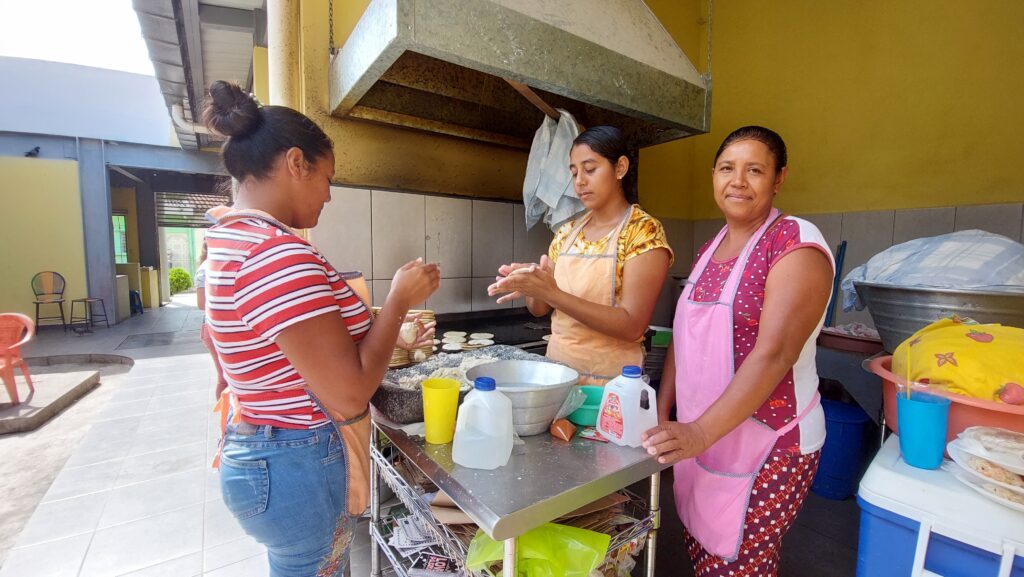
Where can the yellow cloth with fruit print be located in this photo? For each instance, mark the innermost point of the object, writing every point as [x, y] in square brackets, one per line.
[966, 358]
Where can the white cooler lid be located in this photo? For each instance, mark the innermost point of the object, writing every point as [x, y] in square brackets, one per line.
[954, 510]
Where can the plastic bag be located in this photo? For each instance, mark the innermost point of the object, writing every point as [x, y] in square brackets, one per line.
[551, 550]
[576, 399]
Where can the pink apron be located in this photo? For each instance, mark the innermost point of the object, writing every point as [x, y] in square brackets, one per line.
[712, 491]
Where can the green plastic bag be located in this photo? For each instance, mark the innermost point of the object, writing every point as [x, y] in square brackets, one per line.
[550, 550]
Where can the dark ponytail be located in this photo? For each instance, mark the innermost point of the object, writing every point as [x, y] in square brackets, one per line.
[258, 134]
[610, 143]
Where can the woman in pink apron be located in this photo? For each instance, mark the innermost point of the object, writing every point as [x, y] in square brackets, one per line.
[603, 271]
[749, 428]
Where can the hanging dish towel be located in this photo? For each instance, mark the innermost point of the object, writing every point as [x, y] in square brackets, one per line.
[547, 189]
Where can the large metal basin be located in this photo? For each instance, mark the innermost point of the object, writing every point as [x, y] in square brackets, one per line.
[537, 390]
[899, 312]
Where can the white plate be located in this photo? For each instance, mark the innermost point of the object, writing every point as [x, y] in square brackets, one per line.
[960, 459]
[1008, 461]
[452, 346]
[986, 493]
[480, 342]
[453, 340]
[479, 336]
[454, 334]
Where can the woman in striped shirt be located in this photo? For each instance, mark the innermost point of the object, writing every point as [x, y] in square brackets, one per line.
[297, 345]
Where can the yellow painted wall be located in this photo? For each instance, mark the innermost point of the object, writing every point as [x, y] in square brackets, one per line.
[123, 200]
[260, 87]
[389, 157]
[883, 105]
[40, 229]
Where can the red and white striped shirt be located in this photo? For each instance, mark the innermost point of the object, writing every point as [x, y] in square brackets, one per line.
[261, 280]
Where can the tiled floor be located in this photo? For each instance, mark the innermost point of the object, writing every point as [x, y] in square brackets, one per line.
[137, 496]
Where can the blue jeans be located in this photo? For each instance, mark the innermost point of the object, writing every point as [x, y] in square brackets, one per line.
[287, 488]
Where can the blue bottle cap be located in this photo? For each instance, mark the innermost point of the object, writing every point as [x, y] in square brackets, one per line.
[631, 371]
[484, 384]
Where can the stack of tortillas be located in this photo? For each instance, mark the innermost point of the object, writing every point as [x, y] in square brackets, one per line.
[401, 357]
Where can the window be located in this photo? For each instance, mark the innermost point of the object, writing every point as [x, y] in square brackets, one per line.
[120, 239]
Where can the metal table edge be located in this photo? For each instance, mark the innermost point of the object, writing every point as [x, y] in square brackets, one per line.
[515, 524]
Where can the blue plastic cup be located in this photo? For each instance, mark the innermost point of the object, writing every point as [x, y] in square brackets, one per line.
[922, 421]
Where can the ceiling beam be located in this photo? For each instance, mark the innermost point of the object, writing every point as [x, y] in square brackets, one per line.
[227, 18]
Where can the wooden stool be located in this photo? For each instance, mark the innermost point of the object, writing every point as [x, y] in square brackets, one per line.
[88, 316]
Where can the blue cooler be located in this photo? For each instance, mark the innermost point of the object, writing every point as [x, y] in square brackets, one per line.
[847, 440]
[918, 522]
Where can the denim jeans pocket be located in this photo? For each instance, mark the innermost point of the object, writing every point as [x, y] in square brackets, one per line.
[245, 486]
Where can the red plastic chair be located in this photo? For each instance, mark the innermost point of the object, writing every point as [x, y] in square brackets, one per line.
[15, 330]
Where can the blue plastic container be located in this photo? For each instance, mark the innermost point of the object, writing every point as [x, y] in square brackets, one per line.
[923, 419]
[887, 545]
[847, 442]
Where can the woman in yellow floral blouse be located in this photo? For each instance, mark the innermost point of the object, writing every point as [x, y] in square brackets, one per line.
[603, 271]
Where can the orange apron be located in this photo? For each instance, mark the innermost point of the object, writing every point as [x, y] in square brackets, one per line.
[596, 356]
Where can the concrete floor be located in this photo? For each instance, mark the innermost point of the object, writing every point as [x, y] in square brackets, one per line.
[119, 484]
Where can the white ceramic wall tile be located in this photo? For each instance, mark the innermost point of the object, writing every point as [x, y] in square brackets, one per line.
[343, 233]
[1004, 219]
[528, 245]
[866, 234]
[492, 236]
[830, 225]
[399, 231]
[481, 300]
[380, 290]
[455, 295]
[449, 235]
[705, 230]
[921, 223]
[679, 233]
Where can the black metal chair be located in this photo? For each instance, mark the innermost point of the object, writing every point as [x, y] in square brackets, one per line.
[48, 287]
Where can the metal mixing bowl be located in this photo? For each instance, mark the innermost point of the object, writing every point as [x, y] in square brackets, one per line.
[537, 390]
[899, 312]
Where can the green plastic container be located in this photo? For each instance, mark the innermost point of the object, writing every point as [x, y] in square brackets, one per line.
[586, 416]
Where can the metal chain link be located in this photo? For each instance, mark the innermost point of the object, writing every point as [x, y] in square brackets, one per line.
[707, 73]
[330, 26]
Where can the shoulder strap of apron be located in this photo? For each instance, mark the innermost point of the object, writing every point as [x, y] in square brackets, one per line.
[578, 229]
[728, 293]
[575, 232]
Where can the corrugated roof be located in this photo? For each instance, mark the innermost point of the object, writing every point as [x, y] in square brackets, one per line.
[193, 43]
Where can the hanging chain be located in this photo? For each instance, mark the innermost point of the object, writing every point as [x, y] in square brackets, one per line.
[330, 26]
[707, 72]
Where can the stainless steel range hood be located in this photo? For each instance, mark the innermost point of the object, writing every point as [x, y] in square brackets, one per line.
[444, 66]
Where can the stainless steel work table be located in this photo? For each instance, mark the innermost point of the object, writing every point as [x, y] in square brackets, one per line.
[544, 479]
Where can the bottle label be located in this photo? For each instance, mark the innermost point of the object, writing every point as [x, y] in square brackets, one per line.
[611, 416]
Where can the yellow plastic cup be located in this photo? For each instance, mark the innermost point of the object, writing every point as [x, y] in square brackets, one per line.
[440, 403]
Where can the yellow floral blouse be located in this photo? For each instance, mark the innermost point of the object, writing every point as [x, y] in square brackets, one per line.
[642, 233]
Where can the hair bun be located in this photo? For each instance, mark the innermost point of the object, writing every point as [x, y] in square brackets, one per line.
[229, 111]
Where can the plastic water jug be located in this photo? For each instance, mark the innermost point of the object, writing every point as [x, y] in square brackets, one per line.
[483, 429]
[628, 408]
